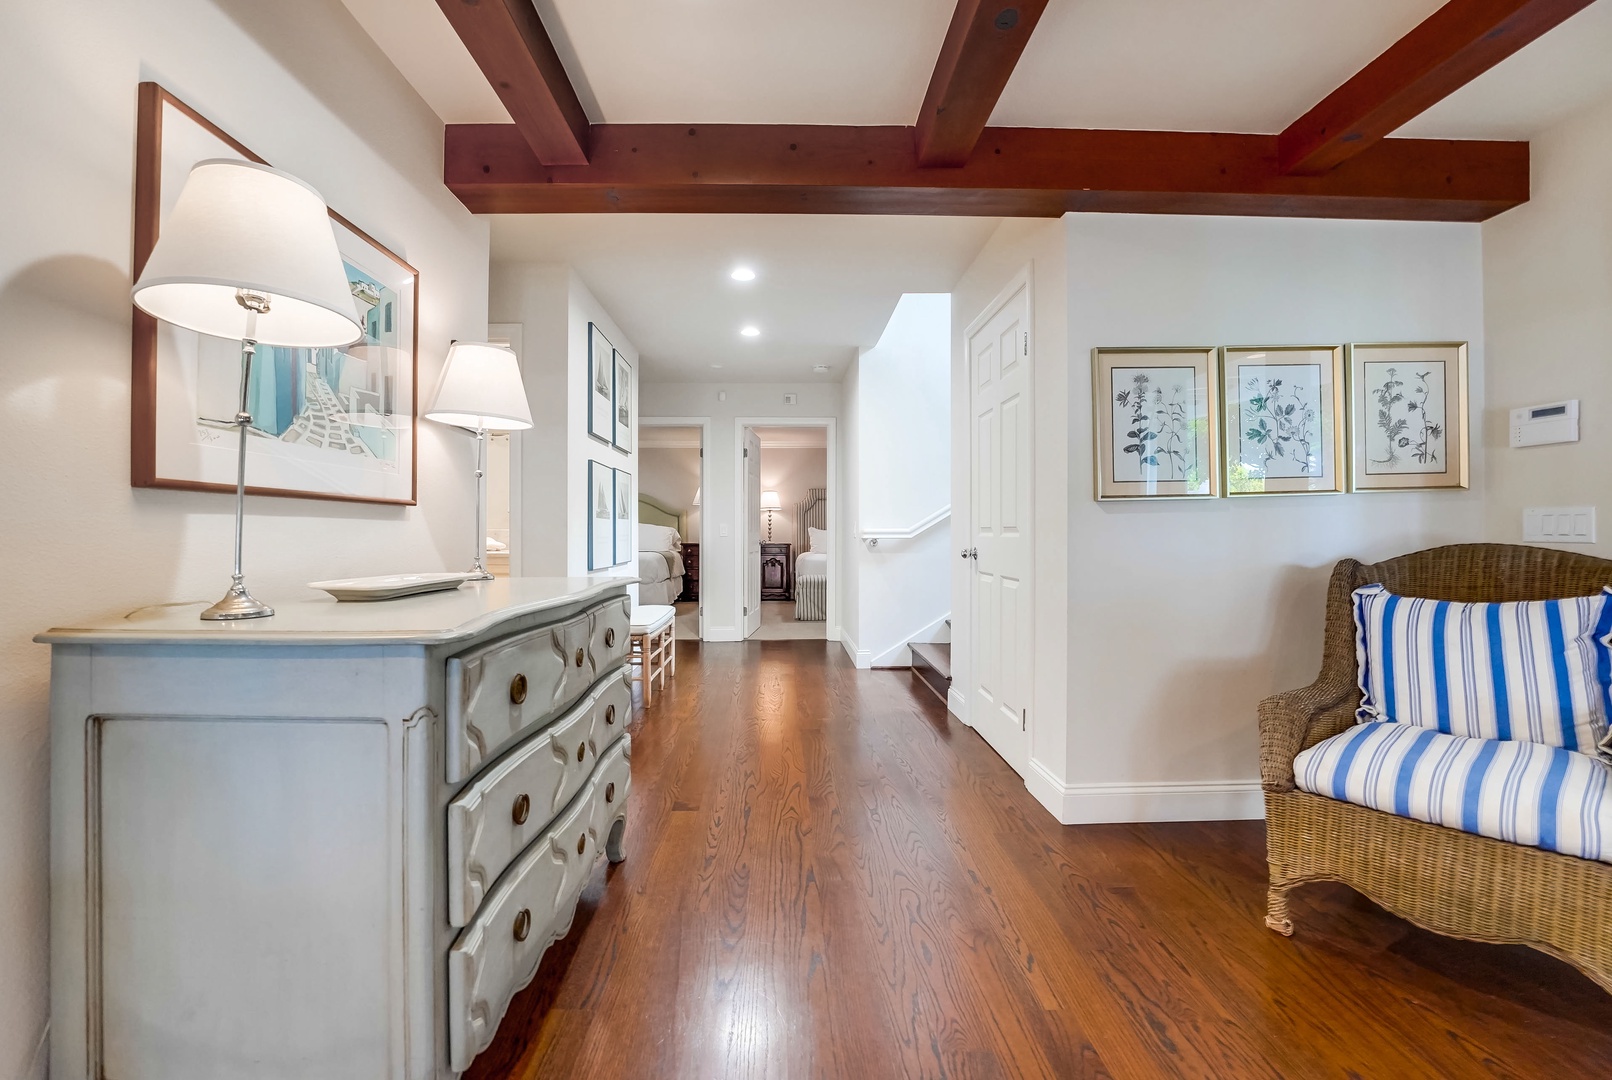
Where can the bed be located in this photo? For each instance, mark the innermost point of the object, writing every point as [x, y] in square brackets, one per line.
[660, 552]
[811, 565]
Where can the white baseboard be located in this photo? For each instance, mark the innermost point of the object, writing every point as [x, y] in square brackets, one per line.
[957, 705]
[1153, 800]
[898, 656]
[862, 658]
[723, 633]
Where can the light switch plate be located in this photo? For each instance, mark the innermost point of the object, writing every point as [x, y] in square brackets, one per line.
[722, 530]
[1559, 524]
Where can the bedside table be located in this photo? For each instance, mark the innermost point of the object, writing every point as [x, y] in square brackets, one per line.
[777, 572]
[691, 575]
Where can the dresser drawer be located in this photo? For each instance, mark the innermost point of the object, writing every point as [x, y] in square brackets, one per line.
[516, 798]
[532, 907]
[496, 692]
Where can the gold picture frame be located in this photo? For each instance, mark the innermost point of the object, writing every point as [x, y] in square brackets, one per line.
[1283, 409]
[1410, 417]
[1156, 423]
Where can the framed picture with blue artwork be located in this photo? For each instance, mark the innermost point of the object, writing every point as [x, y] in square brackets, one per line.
[1284, 420]
[1409, 408]
[326, 423]
[1156, 419]
[601, 516]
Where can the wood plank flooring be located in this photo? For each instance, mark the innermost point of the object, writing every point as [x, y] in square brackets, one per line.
[828, 877]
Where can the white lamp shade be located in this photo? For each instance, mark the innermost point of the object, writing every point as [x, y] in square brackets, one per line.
[481, 388]
[241, 226]
[696, 496]
[769, 500]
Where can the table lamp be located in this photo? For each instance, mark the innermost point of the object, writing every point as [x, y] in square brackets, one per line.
[481, 390]
[771, 504]
[247, 253]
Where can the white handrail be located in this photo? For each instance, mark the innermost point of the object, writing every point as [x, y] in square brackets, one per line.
[873, 536]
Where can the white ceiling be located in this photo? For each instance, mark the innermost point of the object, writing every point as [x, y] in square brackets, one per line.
[825, 285]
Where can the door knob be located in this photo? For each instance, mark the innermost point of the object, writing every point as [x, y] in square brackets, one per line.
[965, 553]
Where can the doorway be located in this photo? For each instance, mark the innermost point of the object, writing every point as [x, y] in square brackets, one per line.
[671, 488]
[998, 360]
[786, 473]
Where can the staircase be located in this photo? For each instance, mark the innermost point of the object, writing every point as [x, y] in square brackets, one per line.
[932, 664]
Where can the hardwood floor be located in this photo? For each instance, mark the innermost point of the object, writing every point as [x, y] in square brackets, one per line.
[828, 877]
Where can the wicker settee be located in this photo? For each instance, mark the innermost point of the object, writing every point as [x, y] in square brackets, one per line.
[1441, 879]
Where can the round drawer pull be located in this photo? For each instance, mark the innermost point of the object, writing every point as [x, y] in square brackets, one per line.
[610, 714]
[582, 843]
[517, 689]
[523, 924]
[523, 808]
[610, 793]
[610, 637]
[579, 657]
[582, 750]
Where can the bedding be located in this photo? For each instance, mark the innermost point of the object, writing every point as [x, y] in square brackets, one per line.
[658, 538]
[811, 586]
[659, 566]
[811, 564]
[817, 540]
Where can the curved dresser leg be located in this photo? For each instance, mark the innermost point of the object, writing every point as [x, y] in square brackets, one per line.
[1276, 913]
[615, 850]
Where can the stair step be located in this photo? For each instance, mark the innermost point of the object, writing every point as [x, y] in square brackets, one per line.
[933, 654]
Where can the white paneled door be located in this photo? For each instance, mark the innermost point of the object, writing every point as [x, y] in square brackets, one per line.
[752, 532]
[999, 552]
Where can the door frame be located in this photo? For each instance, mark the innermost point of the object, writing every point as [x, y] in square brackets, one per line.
[832, 629]
[958, 701]
[704, 424]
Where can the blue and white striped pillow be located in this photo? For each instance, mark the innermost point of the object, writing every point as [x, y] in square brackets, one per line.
[1536, 671]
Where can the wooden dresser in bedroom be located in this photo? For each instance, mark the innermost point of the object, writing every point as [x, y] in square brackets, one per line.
[777, 572]
[691, 575]
[331, 844]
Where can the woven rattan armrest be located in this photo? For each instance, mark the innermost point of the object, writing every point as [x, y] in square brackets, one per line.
[1291, 721]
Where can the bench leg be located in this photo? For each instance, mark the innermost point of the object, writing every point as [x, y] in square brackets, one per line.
[1276, 913]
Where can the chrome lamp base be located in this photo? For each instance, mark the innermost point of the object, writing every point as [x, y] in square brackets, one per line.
[238, 603]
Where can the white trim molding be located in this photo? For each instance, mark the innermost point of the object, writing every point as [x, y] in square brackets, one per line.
[897, 655]
[957, 705]
[871, 537]
[860, 657]
[1147, 800]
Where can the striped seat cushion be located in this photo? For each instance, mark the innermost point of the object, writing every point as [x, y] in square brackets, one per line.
[1524, 792]
[1539, 671]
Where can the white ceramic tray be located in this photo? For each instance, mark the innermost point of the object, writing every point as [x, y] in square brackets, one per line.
[390, 587]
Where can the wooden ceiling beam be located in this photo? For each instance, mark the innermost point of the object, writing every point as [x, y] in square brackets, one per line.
[1024, 172]
[982, 47]
[1453, 46]
[509, 43]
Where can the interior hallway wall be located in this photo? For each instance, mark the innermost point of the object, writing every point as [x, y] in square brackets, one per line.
[1547, 283]
[1183, 614]
[721, 583]
[301, 84]
[671, 475]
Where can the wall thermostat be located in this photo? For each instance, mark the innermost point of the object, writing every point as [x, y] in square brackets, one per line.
[1537, 425]
[791, 399]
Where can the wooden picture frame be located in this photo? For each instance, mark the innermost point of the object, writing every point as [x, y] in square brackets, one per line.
[1284, 420]
[1410, 426]
[1156, 422]
[354, 441]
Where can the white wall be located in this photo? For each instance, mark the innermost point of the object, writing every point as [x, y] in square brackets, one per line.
[302, 85]
[671, 475]
[1183, 615]
[1547, 280]
[1039, 246]
[791, 471]
[554, 308]
[720, 582]
[902, 467]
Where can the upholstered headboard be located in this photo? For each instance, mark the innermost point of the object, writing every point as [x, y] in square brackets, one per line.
[810, 514]
[651, 512]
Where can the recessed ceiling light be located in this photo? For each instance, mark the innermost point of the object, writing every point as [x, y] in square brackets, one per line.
[751, 331]
[820, 368]
[716, 365]
[743, 273]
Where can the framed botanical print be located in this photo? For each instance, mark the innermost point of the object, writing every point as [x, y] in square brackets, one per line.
[601, 516]
[601, 385]
[1409, 408]
[326, 423]
[622, 432]
[623, 527]
[1284, 419]
[1157, 423]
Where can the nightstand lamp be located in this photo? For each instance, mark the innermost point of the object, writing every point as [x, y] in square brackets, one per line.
[770, 503]
[481, 390]
[247, 253]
